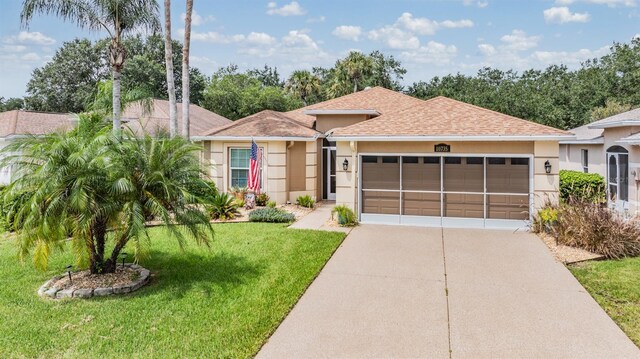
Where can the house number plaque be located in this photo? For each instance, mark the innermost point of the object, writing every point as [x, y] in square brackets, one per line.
[442, 147]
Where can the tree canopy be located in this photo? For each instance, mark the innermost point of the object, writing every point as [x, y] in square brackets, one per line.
[68, 83]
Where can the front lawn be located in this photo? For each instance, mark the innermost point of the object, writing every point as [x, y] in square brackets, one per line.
[614, 285]
[222, 302]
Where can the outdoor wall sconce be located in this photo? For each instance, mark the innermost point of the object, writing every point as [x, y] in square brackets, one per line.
[547, 167]
[69, 267]
[123, 255]
[345, 164]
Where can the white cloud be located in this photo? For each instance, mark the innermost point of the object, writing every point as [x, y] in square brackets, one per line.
[395, 37]
[197, 19]
[477, 3]
[12, 48]
[403, 34]
[291, 9]
[348, 32]
[518, 40]
[315, 20]
[260, 38]
[214, 37]
[26, 37]
[562, 15]
[31, 56]
[609, 3]
[421, 26]
[486, 49]
[433, 53]
[569, 58]
[449, 24]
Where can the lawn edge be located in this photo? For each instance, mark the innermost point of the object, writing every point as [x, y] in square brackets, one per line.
[286, 314]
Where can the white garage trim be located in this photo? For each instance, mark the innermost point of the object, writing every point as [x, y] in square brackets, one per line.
[442, 221]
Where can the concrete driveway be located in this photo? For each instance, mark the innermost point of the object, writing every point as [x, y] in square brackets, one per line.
[407, 292]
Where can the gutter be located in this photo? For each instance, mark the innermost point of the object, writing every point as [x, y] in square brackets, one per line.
[451, 138]
[257, 138]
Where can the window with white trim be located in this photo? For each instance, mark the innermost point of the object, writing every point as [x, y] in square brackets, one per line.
[239, 163]
[584, 159]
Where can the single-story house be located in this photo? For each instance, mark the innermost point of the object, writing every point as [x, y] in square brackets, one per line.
[395, 159]
[18, 123]
[609, 147]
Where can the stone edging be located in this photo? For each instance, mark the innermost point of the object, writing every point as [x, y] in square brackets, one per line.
[49, 291]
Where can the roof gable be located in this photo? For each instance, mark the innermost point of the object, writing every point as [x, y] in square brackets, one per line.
[266, 123]
[377, 98]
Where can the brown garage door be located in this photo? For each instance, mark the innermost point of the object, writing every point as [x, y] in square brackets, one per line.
[446, 186]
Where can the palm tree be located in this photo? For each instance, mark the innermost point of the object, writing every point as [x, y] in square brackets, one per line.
[168, 59]
[185, 70]
[90, 185]
[351, 71]
[304, 85]
[117, 17]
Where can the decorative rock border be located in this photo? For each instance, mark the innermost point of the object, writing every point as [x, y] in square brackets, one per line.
[49, 290]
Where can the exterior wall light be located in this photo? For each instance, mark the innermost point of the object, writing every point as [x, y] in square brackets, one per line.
[547, 167]
[345, 164]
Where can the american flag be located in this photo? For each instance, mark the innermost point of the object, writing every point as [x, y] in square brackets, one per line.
[254, 168]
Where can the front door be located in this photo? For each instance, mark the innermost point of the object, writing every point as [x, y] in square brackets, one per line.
[330, 180]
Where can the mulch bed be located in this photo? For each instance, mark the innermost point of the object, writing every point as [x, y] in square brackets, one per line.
[84, 279]
[567, 254]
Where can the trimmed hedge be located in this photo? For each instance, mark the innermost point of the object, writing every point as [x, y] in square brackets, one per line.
[271, 215]
[575, 185]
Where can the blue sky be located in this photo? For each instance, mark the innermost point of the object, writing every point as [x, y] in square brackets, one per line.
[430, 37]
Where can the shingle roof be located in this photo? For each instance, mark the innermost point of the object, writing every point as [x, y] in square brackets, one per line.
[266, 123]
[443, 116]
[586, 133]
[200, 119]
[20, 122]
[376, 98]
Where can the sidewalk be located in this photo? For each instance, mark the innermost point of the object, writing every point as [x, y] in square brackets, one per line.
[318, 219]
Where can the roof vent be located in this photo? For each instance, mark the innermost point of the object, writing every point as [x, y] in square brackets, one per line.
[367, 88]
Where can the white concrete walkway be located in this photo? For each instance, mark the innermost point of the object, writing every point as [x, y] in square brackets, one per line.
[318, 219]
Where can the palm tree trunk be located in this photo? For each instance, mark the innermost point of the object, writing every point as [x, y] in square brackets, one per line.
[355, 85]
[168, 57]
[185, 70]
[116, 101]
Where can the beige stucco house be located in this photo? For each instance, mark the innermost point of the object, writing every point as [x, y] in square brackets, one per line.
[395, 159]
[609, 147]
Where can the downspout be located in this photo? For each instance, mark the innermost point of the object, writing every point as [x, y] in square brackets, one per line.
[354, 148]
[286, 186]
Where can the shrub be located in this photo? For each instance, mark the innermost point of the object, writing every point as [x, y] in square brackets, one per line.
[262, 199]
[239, 202]
[305, 201]
[546, 219]
[590, 226]
[271, 204]
[272, 215]
[579, 186]
[205, 190]
[238, 192]
[223, 207]
[346, 217]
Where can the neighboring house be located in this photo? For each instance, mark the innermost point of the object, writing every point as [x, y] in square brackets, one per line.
[609, 147]
[396, 159]
[18, 123]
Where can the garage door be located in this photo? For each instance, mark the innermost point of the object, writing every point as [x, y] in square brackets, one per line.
[460, 191]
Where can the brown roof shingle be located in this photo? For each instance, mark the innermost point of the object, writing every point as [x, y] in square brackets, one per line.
[20, 122]
[443, 116]
[200, 119]
[266, 123]
[376, 98]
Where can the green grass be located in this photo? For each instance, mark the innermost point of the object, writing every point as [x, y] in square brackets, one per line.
[614, 285]
[222, 302]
